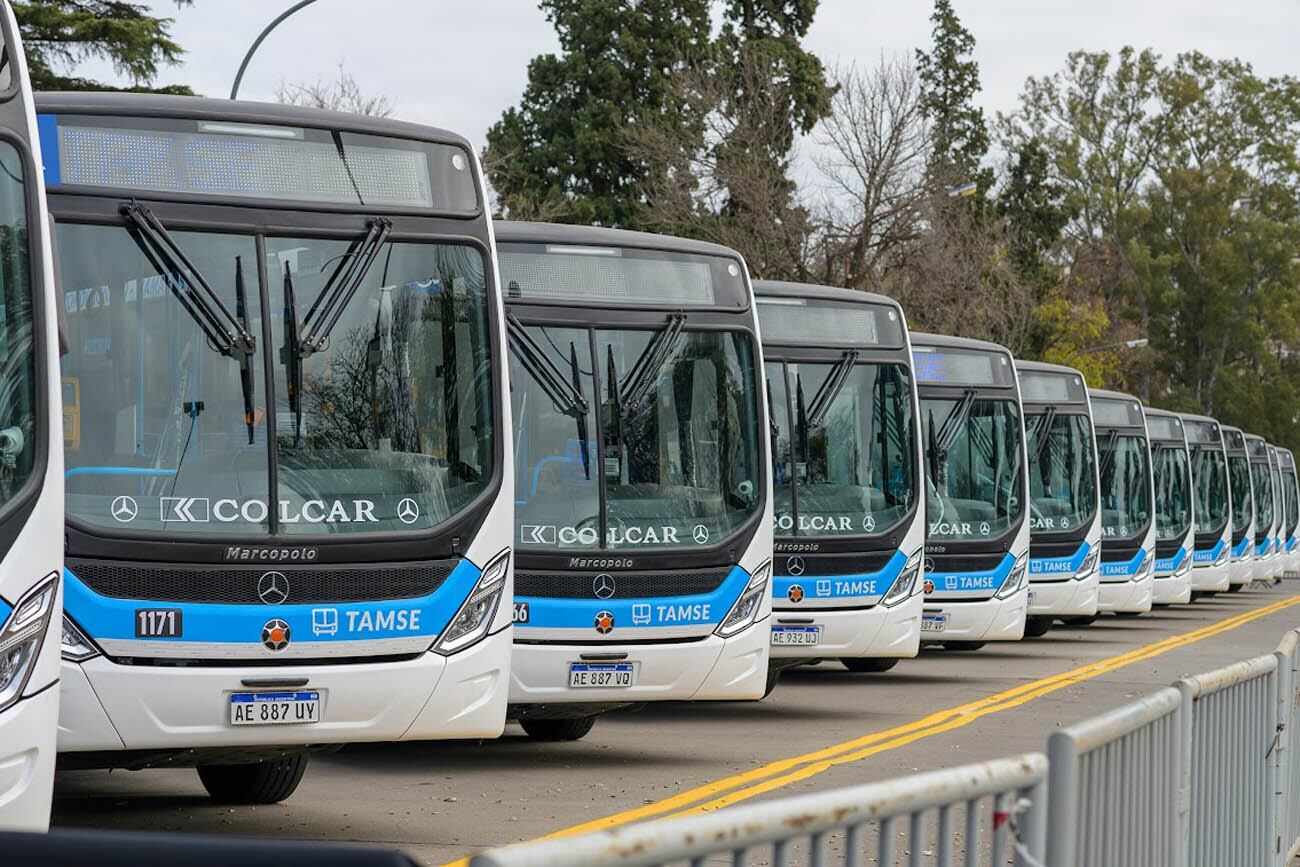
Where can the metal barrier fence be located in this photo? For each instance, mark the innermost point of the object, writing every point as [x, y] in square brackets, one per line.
[1202, 774]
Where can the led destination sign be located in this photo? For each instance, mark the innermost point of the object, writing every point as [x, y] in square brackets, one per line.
[961, 367]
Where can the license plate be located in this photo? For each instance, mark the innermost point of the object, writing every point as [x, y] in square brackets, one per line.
[597, 675]
[934, 622]
[796, 636]
[274, 708]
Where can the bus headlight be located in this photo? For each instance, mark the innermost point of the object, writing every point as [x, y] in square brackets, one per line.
[904, 583]
[1016, 579]
[1144, 571]
[77, 646]
[474, 618]
[1183, 567]
[1089, 565]
[746, 609]
[1223, 556]
[21, 636]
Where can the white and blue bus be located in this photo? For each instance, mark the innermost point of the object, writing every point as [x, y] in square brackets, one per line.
[1277, 544]
[31, 459]
[1290, 513]
[1241, 564]
[1266, 522]
[1175, 508]
[1211, 567]
[289, 487]
[846, 490]
[642, 478]
[1128, 527]
[977, 491]
[1064, 503]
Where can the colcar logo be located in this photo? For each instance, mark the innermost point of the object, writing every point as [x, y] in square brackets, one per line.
[408, 511]
[795, 593]
[273, 588]
[124, 509]
[605, 622]
[794, 566]
[275, 635]
[603, 586]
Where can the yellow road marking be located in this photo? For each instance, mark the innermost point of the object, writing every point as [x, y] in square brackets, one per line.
[774, 775]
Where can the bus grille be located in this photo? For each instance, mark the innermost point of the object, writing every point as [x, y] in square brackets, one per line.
[238, 585]
[794, 565]
[627, 585]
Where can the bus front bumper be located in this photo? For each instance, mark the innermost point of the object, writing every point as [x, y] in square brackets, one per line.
[1265, 568]
[1128, 597]
[1212, 578]
[982, 620]
[27, 735]
[1241, 570]
[879, 632]
[1064, 598]
[700, 669]
[1172, 589]
[109, 707]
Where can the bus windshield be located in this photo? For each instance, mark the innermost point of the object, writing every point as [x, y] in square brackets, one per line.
[847, 467]
[386, 425]
[1125, 486]
[974, 473]
[1242, 506]
[1062, 475]
[671, 456]
[1289, 501]
[1263, 498]
[1173, 492]
[1210, 475]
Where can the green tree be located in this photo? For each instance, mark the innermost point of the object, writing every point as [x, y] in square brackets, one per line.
[59, 34]
[950, 82]
[561, 153]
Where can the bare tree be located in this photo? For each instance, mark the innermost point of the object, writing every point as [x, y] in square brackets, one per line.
[725, 176]
[875, 147]
[342, 94]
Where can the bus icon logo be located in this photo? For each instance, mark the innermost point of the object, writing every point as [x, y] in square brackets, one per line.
[641, 614]
[325, 621]
[823, 587]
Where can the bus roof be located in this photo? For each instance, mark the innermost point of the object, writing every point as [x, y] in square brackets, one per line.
[1191, 416]
[1152, 410]
[948, 340]
[235, 111]
[517, 231]
[1104, 394]
[786, 289]
[1047, 367]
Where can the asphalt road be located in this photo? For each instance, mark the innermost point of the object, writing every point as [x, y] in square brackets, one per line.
[441, 801]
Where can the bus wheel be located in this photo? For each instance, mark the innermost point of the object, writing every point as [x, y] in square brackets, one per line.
[262, 783]
[866, 666]
[574, 729]
[963, 645]
[1037, 627]
[1080, 620]
[773, 675]
[1235, 588]
[1128, 613]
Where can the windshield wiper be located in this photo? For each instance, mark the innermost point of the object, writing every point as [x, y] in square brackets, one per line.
[565, 395]
[341, 286]
[636, 385]
[955, 421]
[1108, 452]
[225, 332]
[1043, 429]
[831, 387]
[291, 355]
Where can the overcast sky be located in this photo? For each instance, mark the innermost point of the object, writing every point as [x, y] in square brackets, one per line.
[458, 63]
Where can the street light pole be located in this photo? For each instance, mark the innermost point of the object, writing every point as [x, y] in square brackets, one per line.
[1125, 344]
[239, 76]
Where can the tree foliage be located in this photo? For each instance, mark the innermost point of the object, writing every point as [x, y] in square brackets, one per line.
[59, 34]
[950, 84]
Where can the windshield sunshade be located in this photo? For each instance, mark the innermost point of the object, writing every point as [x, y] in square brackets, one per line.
[974, 470]
[849, 470]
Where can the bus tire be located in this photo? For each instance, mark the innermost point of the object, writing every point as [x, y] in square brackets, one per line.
[773, 677]
[868, 666]
[1080, 620]
[1235, 588]
[268, 782]
[963, 645]
[1129, 613]
[557, 730]
[1037, 627]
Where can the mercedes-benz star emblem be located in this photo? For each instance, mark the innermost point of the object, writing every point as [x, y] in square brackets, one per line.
[603, 586]
[275, 635]
[701, 534]
[124, 509]
[273, 588]
[794, 566]
[604, 622]
[408, 511]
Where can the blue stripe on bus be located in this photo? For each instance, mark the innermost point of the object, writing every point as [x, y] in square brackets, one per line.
[953, 582]
[5, 610]
[1208, 556]
[840, 586]
[1124, 568]
[47, 129]
[1169, 565]
[648, 612]
[1240, 550]
[108, 618]
[1059, 565]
